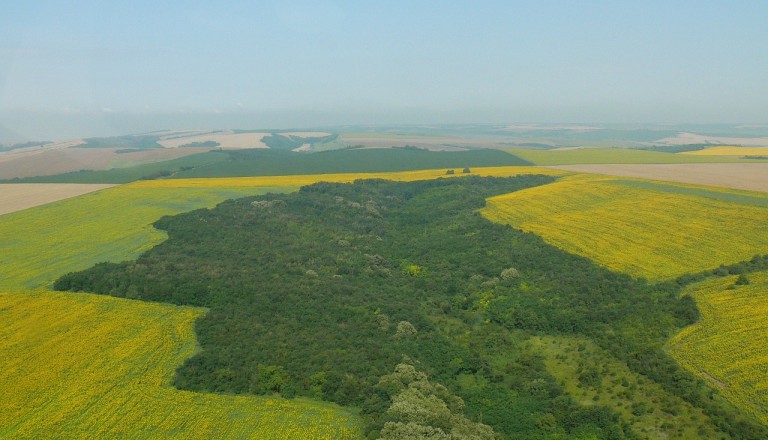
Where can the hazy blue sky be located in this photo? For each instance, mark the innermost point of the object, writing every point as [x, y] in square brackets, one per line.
[103, 66]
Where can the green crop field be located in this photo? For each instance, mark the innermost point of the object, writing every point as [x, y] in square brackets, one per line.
[38, 245]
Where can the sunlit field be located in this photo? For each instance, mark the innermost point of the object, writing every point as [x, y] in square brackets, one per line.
[727, 347]
[652, 231]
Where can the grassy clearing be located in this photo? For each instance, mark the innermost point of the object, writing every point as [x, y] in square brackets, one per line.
[609, 156]
[594, 377]
[729, 151]
[89, 366]
[644, 231]
[727, 347]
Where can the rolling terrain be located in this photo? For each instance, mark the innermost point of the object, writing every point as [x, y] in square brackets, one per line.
[654, 231]
[88, 366]
[667, 234]
[727, 346]
[744, 176]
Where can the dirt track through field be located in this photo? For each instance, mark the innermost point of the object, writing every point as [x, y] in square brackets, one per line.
[746, 176]
[18, 196]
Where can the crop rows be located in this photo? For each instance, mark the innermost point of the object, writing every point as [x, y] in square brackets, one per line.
[88, 366]
[644, 231]
[727, 347]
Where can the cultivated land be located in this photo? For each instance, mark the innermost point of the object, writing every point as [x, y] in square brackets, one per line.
[745, 176]
[110, 372]
[226, 139]
[655, 231]
[15, 197]
[730, 151]
[307, 179]
[40, 244]
[48, 161]
[694, 138]
[89, 366]
[573, 156]
[727, 347]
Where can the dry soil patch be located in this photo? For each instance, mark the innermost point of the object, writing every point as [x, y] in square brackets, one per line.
[746, 176]
[18, 196]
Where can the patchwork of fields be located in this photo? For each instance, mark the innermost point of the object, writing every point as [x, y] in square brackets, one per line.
[727, 347]
[99, 366]
[79, 365]
[653, 231]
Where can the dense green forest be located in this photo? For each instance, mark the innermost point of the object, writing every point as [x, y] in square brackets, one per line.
[268, 162]
[385, 296]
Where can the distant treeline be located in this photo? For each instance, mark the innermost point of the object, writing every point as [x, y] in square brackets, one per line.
[262, 162]
[128, 141]
[677, 148]
[323, 292]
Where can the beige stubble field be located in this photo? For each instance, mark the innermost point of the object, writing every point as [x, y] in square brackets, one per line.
[17, 196]
[745, 176]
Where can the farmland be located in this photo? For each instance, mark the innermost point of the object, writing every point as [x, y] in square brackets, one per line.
[730, 151]
[115, 225]
[87, 366]
[352, 237]
[744, 176]
[54, 160]
[727, 347]
[110, 225]
[571, 156]
[23, 196]
[125, 387]
[653, 232]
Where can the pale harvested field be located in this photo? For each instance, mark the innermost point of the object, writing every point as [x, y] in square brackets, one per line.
[15, 197]
[729, 151]
[48, 161]
[21, 152]
[306, 134]
[692, 138]
[435, 143]
[746, 176]
[226, 139]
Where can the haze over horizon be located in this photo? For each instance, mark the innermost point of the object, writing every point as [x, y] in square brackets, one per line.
[87, 68]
